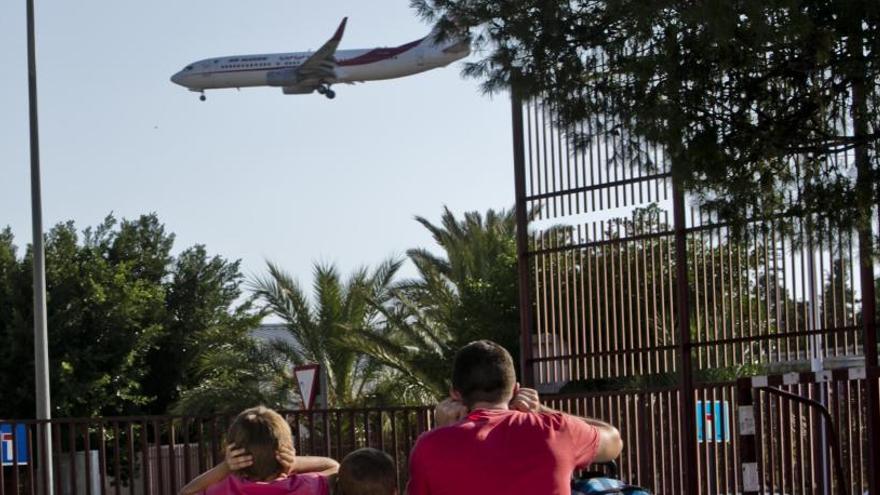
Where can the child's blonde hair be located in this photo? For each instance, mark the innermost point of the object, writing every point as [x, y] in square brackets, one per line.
[261, 432]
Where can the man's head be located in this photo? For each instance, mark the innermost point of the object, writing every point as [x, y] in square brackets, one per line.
[483, 372]
[261, 432]
[367, 472]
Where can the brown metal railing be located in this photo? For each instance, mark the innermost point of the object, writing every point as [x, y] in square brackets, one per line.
[634, 291]
[157, 455]
[810, 432]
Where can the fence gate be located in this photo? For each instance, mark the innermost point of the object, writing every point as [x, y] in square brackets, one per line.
[804, 432]
[639, 307]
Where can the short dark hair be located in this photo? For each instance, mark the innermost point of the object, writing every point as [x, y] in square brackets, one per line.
[483, 372]
[367, 472]
[261, 432]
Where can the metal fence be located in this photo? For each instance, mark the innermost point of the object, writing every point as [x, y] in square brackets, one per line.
[641, 308]
[157, 455]
[806, 432]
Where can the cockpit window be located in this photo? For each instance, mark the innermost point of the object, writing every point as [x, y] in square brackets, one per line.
[189, 67]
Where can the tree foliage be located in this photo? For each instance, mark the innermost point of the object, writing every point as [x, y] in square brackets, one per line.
[319, 324]
[127, 320]
[753, 102]
[469, 292]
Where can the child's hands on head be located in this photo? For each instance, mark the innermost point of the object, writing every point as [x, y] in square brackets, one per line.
[286, 456]
[237, 458]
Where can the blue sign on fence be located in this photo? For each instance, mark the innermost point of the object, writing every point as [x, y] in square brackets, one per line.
[13, 444]
[713, 421]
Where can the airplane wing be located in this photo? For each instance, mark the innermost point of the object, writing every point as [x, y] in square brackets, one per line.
[322, 64]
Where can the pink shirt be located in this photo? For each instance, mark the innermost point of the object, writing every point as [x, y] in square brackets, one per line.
[300, 484]
[500, 451]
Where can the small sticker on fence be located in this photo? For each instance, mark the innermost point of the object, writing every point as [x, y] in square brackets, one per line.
[746, 419]
[750, 477]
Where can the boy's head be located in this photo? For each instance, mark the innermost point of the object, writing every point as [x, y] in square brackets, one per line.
[261, 432]
[483, 371]
[367, 472]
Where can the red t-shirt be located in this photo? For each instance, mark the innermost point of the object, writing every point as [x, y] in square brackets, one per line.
[500, 451]
[300, 484]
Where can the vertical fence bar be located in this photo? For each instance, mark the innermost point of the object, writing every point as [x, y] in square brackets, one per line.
[71, 449]
[203, 463]
[102, 457]
[686, 385]
[15, 460]
[87, 451]
[117, 463]
[525, 301]
[186, 423]
[157, 447]
[748, 447]
[31, 434]
[3, 479]
[172, 456]
[131, 461]
[146, 465]
[869, 329]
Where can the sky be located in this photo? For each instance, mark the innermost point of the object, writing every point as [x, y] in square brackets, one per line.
[254, 175]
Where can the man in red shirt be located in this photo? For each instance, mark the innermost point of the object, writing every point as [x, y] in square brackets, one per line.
[494, 437]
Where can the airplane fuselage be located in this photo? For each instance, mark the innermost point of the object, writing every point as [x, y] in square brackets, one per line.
[348, 66]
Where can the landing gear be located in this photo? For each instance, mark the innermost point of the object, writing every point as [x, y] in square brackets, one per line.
[202, 97]
[325, 90]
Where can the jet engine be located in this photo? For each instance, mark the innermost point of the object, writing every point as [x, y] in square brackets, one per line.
[296, 90]
[282, 77]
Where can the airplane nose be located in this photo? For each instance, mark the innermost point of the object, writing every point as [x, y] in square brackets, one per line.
[177, 79]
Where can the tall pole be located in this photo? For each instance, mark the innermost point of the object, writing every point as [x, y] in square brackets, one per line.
[41, 348]
[866, 201]
[817, 361]
[690, 470]
[522, 239]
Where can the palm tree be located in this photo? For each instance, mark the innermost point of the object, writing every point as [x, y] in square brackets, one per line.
[467, 293]
[472, 246]
[319, 325]
[234, 373]
[413, 344]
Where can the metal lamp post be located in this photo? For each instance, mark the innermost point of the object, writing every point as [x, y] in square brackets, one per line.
[41, 352]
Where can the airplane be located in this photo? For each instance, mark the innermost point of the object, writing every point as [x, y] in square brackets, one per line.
[307, 72]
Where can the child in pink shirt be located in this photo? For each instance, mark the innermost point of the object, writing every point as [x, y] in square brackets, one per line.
[260, 460]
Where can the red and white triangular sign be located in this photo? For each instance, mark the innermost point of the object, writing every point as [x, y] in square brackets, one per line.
[307, 379]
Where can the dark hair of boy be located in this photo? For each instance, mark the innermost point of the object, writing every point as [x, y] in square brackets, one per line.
[483, 371]
[261, 432]
[367, 471]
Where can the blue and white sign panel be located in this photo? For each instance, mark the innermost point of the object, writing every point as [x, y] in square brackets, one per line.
[13, 444]
[713, 421]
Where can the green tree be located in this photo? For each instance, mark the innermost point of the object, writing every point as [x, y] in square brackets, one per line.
[752, 102]
[200, 303]
[479, 270]
[16, 356]
[234, 372]
[116, 300]
[318, 325]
